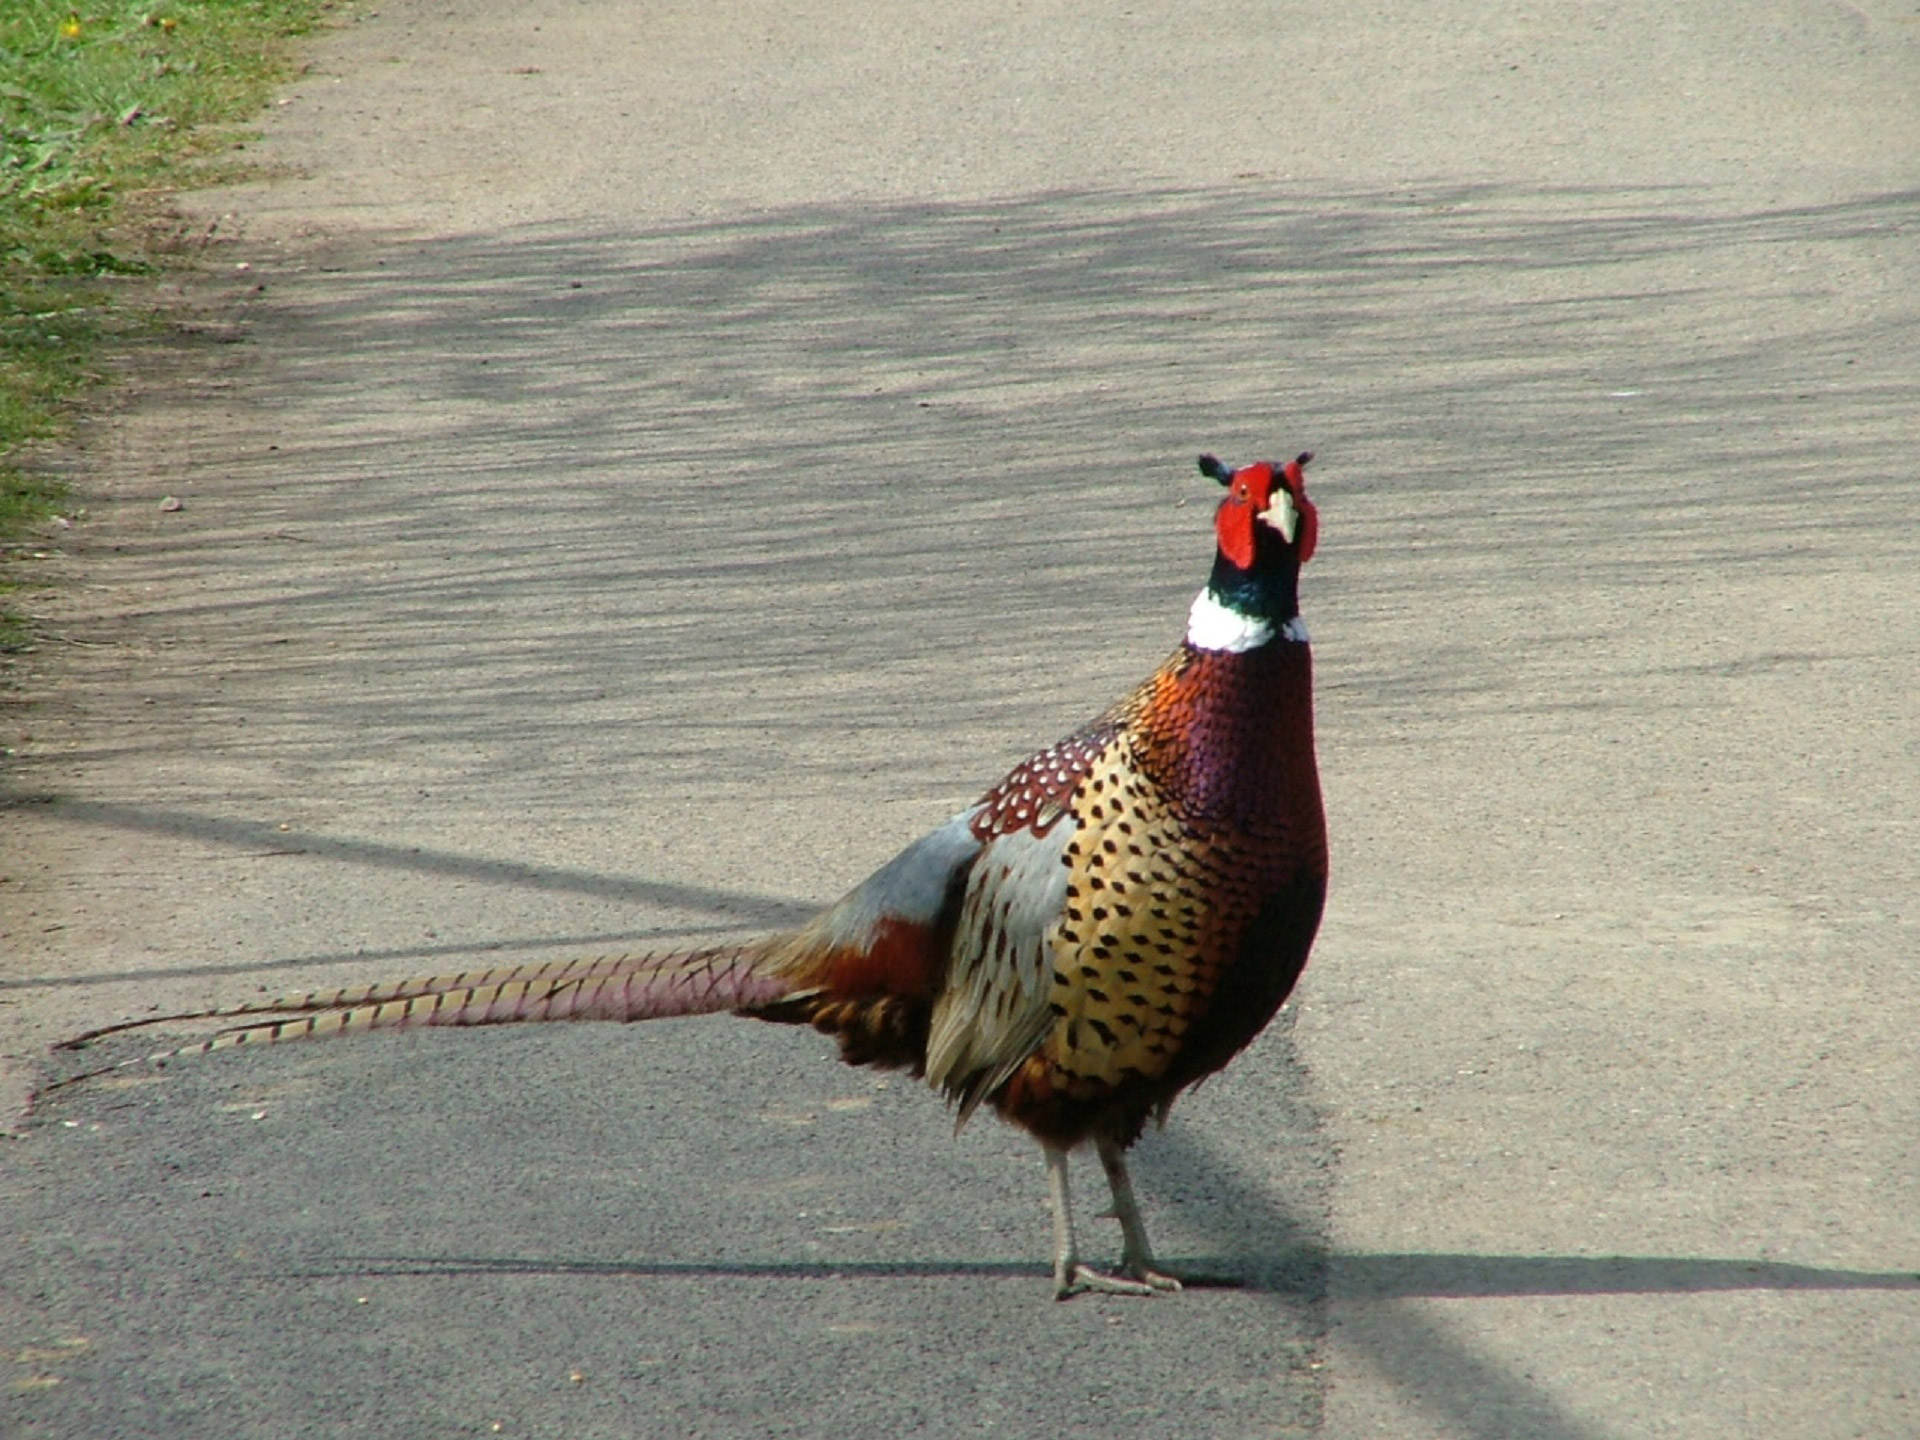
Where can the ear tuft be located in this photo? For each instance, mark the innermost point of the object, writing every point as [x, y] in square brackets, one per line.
[1213, 469]
[1309, 523]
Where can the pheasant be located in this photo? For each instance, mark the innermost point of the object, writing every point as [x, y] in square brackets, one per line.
[1106, 927]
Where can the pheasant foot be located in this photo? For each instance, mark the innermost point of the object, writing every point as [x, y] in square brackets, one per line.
[1137, 1256]
[1139, 1275]
[1079, 1279]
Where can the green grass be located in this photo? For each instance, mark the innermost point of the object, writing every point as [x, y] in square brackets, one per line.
[104, 107]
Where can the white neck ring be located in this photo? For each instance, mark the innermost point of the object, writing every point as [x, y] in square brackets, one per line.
[1213, 626]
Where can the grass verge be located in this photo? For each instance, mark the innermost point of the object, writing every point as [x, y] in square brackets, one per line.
[105, 105]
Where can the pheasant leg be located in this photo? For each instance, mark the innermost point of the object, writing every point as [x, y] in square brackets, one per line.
[1136, 1255]
[1070, 1277]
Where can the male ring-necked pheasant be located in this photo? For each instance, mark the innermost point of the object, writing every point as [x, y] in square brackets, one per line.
[1110, 924]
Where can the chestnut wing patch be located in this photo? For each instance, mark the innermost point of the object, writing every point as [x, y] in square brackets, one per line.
[1037, 791]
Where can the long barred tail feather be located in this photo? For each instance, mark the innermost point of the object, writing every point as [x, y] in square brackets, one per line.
[611, 987]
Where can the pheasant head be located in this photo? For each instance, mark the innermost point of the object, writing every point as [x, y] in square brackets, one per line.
[1267, 529]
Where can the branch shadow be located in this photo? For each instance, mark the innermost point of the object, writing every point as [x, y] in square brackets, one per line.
[1464, 1277]
[1455, 355]
[261, 838]
[1354, 1277]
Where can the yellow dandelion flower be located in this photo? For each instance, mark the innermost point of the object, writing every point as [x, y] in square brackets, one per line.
[70, 27]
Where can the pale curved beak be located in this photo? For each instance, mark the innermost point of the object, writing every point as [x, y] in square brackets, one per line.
[1283, 515]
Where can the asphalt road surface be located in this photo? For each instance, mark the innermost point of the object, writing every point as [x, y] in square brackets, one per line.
[641, 465]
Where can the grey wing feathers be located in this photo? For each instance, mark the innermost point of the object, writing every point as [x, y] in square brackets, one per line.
[994, 1007]
[916, 886]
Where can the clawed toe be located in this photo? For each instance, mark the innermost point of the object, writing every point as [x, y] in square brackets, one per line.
[1137, 1280]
